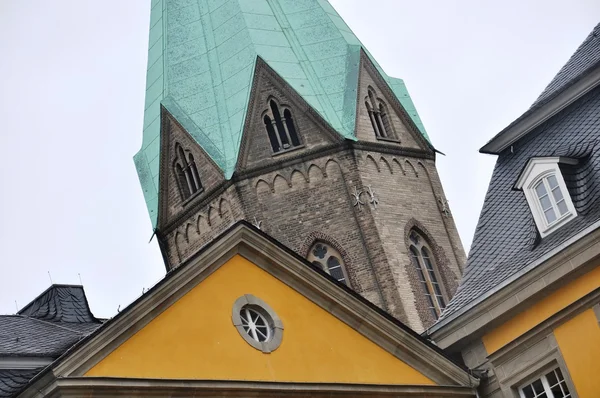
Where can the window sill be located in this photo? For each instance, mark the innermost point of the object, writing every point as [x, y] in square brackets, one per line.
[191, 198]
[292, 149]
[394, 140]
[557, 224]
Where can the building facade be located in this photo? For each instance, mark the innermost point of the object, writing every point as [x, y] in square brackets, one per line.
[526, 315]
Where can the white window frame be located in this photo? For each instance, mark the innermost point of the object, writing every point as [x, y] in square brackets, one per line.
[545, 384]
[539, 169]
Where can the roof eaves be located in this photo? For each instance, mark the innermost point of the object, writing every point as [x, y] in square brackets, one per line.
[543, 111]
[464, 311]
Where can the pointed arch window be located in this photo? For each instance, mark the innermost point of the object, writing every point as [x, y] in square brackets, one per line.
[423, 262]
[281, 128]
[379, 116]
[186, 171]
[329, 260]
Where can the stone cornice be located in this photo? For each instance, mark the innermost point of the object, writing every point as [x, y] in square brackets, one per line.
[274, 258]
[116, 387]
[556, 269]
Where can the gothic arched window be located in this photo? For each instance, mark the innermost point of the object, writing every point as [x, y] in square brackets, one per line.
[329, 260]
[187, 173]
[379, 116]
[281, 129]
[423, 261]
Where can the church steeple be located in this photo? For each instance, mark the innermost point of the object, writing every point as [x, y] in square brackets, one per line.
[201, 62]
[271, 111]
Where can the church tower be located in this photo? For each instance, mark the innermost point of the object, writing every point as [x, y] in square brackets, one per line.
[272, 111]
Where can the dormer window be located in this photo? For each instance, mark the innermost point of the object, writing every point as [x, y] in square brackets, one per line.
[546, 193]
[187, 173]
[379, 116]
[280, 128]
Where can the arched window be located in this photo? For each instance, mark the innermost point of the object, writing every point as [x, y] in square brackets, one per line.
[187, 173]
[551, 199]
[423, 262]
[379, 117]
[329, 260]
[281, 129]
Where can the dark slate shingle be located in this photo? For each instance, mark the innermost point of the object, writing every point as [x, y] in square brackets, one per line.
[60, 303]
[506, 239]
[12, 380]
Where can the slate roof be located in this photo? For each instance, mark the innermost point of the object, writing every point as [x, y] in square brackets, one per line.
[586, 58]
[11, 381]
[47, 327]
[201, 60]
[506, 239]
[60, 303]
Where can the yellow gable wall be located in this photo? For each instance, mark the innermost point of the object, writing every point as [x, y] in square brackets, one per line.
[541, 311]
[195, 339]
[579, 342]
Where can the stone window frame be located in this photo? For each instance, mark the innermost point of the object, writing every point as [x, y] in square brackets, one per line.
[553, 360]
[380, 118]
[267, 312]
[541, 375]
[189, 162]
[337, 254]
[536, 172]
[281, 109]
[424, 243]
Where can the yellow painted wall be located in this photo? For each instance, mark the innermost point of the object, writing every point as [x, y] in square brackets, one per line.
[579, 342]
[541, 311]
[195, 339]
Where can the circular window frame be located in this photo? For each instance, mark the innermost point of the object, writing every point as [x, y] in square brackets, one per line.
[270, 316]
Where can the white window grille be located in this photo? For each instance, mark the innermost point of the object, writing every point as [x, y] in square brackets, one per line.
[550, 385]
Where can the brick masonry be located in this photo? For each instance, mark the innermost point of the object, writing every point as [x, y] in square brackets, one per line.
[306, 195]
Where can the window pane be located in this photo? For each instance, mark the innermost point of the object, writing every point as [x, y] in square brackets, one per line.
[528, 391]
[335, 268]
[552, 181]
[540, 189]
[545, 202]
[562, 207]
[551, 378]
[550, 215]
[538, 387]
[557, 193]
[318, 264]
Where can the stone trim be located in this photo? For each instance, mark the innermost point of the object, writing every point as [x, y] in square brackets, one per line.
[74, 387]
[568, 261]
[531, 365]
[292, 270]
[597, 312]
[275, 323]
[529, 338]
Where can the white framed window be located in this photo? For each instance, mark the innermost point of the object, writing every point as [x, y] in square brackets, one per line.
[546, 193]
[550, 385]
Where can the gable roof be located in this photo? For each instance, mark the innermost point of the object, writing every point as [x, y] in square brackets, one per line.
[575, 78]
[247, 241]
[201, 61]
[506, 241]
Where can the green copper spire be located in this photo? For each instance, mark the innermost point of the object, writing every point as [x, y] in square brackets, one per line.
[201, 62]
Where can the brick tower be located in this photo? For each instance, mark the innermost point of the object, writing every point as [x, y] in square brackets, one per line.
[272, 111]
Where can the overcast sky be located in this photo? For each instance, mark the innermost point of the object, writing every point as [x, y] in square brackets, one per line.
[72, 78]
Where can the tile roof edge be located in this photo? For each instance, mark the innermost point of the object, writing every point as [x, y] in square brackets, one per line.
[445, 322]
[537, 115]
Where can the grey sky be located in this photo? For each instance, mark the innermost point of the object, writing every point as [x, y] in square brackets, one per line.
[72, 79]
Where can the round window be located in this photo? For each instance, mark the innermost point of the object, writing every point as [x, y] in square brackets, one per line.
[257, 323]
